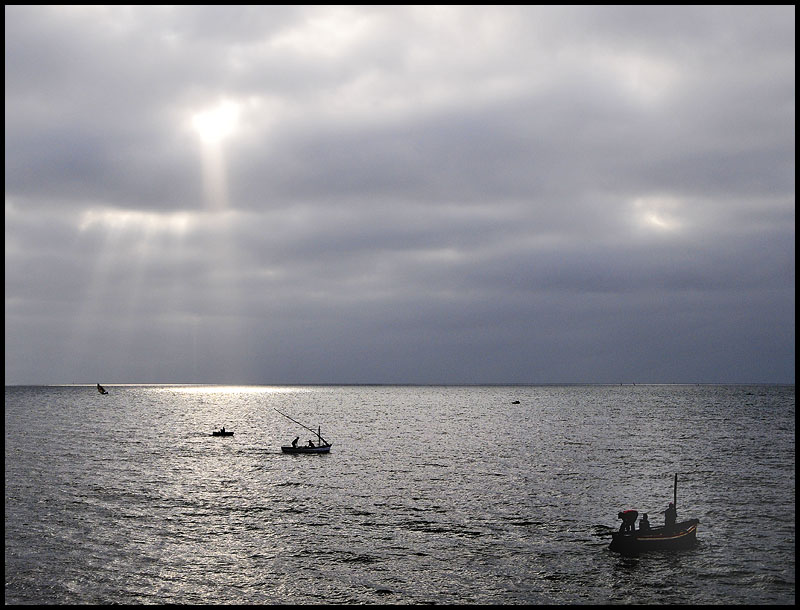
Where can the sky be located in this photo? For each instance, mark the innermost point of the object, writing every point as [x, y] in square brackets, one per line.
[419, 195]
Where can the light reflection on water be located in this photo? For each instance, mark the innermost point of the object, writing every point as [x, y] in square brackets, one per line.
[429, 495]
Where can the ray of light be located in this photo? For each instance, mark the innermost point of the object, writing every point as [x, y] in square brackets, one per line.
[108, 328]
[217, 324]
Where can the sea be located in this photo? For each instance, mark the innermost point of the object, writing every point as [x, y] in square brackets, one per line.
[429, 495]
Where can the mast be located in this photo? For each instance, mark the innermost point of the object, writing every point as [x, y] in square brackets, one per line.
[675, 492]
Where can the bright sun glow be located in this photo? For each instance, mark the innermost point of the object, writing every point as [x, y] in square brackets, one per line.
[218, 123]
[660, 213]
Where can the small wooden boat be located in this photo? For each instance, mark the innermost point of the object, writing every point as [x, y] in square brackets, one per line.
[682, 535]
[222, 432]
[322, 445]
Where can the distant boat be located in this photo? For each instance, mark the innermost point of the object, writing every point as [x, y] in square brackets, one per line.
[322, 445]
[681, 535]
[222, 432]
[101, 389]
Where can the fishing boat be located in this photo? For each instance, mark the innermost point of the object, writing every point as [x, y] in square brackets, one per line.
[101, 389]
[322, 446]
[682, 535]
[306, 448]
[222, 432]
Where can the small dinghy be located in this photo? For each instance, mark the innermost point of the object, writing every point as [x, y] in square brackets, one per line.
[222, 432]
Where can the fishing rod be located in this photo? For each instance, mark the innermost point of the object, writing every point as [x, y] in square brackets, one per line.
[317, 432]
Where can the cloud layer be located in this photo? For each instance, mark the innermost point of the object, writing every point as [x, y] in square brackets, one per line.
[403, 194]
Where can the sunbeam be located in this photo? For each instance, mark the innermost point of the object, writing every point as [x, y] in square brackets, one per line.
[128, 284]
[213, 126]
[217, 314]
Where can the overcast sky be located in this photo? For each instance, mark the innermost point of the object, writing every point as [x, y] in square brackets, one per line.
[399, 194]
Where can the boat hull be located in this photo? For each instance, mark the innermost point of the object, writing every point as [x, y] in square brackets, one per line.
[682, 536]
[218, 433]
[290, 449]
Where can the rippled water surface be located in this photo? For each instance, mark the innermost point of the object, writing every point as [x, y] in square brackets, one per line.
[429, 495]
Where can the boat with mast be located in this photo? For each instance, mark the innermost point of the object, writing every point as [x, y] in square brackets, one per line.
[322, 445]
[671, 536]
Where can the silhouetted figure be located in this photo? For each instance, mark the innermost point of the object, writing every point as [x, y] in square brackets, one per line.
[644, 523]
[628, 520]
[294, 442]
[670, 516]
[310, 443]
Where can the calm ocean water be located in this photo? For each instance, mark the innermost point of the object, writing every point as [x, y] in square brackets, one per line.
[447, 495]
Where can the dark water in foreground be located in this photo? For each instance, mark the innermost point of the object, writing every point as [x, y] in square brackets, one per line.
[429, 495]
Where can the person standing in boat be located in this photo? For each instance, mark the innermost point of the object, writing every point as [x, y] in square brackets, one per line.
[670, 516]
[294, 442]
[628, 520]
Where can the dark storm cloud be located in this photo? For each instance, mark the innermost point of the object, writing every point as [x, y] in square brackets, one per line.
[413, 194]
